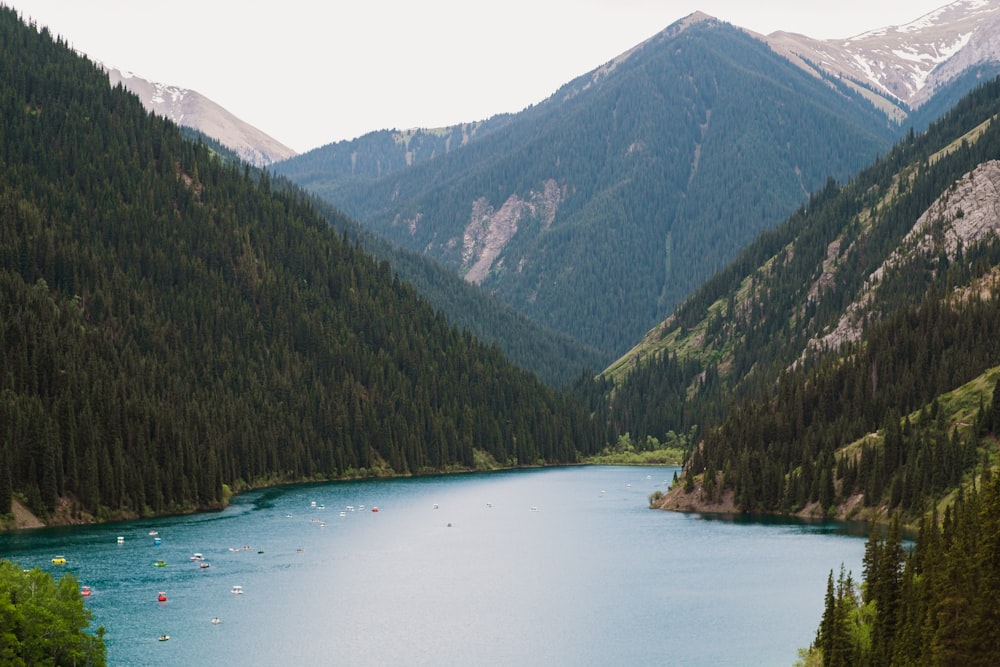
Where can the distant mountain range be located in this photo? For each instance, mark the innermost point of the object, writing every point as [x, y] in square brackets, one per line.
[901, 68]
[190, 108]
[596, 211]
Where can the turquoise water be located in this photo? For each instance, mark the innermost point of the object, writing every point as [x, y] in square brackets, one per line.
[544, 567]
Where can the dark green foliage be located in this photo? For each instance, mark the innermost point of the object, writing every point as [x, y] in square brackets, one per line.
[933, 605]
[172, 322]
[660, 169]
[785, 405]
[44, 622]
[557, 358]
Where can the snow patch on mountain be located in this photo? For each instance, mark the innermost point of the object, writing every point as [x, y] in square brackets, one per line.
[191, 109]
[905, 64]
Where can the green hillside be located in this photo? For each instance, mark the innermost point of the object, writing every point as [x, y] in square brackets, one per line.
[174, 325]
[822, 357]
[596, 211]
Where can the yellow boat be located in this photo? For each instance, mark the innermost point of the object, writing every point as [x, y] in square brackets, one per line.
[59, 560]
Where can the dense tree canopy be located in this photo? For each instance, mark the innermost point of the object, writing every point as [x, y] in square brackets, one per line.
[172, 323]
[43, 622]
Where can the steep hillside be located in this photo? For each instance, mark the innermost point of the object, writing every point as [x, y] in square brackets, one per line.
[596, 211]
[175, 326]
[806, 353]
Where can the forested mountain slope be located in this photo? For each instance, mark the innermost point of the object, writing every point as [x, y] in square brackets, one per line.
[171, 324]
[557, 358]
[847, 359]
[596, 211]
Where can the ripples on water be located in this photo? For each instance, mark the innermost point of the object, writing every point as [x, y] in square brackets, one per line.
[558, 566]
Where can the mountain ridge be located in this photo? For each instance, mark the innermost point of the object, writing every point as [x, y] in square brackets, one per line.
[904, 65]
[190, 108]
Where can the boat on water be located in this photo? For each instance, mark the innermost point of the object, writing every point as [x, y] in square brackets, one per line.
[204, 565]
[237, 590]
[153, 533]
[59, 560]
[121, 539]
[216, 620]
[163, 638]
[160, 563]
[157, 541]
[162, 597]
[85, 591]
[197, 556]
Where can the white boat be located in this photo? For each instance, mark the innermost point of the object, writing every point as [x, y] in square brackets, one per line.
[121, 539]
[197, 556]
[216, 620]
[237, 590]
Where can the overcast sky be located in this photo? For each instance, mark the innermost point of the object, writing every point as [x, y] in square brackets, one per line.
[309, 72]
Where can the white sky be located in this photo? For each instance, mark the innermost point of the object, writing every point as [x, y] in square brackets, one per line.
[310, 72]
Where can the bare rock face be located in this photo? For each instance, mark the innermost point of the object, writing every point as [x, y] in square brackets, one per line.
[191, 109]
[965, 214]
[490, 230]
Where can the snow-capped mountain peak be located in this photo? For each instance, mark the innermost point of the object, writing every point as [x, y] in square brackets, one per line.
[905, 64]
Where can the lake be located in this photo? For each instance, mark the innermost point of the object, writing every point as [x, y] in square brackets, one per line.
[561, 566]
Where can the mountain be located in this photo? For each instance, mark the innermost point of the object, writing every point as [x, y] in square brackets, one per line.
[557, 358]
[845, 362]
[596, 211]
[901, 68]
[192, 109]
[175, 326]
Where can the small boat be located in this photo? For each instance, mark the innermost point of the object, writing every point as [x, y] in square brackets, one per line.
[85, 591]
[59, 560]
[374, 509]
[343, 514]
[204, 565]
[237, 590]
[121, 540]
[162, 597]
[159, 563]
[164, 638]
[197, 556]
[216, 620]
[156, 541]
[312, 504]
[153, 533]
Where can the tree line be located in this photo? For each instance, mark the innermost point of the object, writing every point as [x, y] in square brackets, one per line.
[173, 324]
